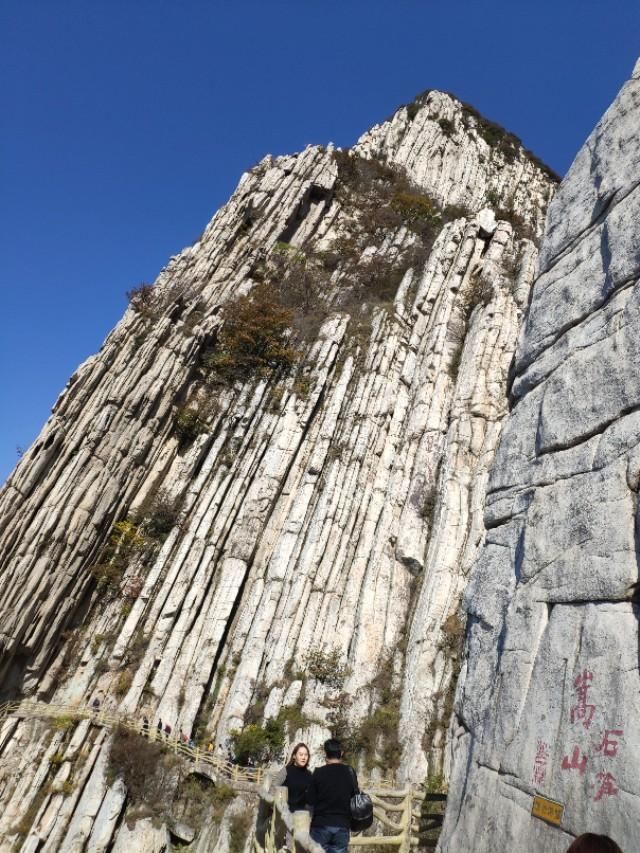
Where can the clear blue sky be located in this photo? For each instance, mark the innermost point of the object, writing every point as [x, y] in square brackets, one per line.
[127, 123]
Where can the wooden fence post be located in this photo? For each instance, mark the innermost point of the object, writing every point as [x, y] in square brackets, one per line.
[408, 819]
[301, 821]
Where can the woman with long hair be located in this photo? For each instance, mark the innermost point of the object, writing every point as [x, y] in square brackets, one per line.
[296, 777]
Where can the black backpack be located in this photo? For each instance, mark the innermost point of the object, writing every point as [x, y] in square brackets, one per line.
[361, 808]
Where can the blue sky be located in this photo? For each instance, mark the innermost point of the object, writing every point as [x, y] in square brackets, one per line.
[125, 125]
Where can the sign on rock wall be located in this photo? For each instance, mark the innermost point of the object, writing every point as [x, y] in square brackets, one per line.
[547, 810]
[571, 744]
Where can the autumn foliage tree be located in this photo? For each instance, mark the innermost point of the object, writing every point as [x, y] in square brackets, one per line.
[254, 339]
[149, 773]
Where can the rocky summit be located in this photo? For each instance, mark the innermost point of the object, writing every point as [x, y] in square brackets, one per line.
[344, 468]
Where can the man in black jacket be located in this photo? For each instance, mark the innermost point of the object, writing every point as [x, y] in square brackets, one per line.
[329, 794]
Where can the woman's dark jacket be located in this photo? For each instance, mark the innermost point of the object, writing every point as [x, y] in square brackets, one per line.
[297, 780]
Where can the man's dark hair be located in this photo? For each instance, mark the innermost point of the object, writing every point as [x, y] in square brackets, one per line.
[332, 748]
[592, 843]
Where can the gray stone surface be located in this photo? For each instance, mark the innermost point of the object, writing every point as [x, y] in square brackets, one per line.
[548, 695]
[183, 832]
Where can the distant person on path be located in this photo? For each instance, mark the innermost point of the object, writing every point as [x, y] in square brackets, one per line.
[145, 726]
[296, 777]
[329, 795]
[592, 843]
[167, 730]
[159, 728]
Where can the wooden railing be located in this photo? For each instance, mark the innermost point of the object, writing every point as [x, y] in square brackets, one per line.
[396, 810]
[278, 828]
[393, 810]
[202, 757]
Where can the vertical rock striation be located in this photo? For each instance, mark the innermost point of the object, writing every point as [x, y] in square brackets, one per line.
[212, 548]
[547, 698]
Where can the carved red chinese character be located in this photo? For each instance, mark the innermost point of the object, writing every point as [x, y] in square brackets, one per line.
[542, 751]
[609, 745]
[539, 774]
[582, 710]
[607, 786]
[575, 763]
[540, 762]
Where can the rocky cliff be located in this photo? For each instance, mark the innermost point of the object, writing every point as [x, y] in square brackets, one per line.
[262, 498]
[547, 698]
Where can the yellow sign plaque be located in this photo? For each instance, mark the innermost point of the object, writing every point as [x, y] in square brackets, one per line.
[547, 810]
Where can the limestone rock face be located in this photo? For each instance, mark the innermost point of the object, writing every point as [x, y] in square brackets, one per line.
[547, 698]
[314, 529]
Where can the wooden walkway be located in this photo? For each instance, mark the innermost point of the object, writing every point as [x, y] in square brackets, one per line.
[224, 768]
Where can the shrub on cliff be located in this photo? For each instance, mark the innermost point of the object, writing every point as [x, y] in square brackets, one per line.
[362, 175]
[198, 799]
[519, 224]
[508, 144]
[295, 276]
[453, 631]
[416, 209]
[136, 538]
[125, 542]
[326, 667]
[254, 339]
[108, 576]
[386, 201]
[259, 743]
[142, 300]
[377, 739]
[148, 772]
[123, 682]
[159, 514]
[414, 107]
[301, 281]
[447, 126]
[187, 424]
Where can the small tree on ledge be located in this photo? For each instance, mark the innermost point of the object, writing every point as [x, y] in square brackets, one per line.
[254, 336]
